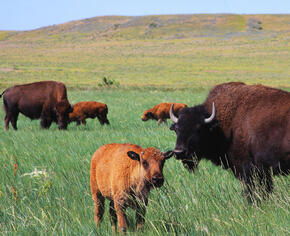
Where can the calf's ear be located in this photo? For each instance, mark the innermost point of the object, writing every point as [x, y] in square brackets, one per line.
[168, 154]
[133, 155]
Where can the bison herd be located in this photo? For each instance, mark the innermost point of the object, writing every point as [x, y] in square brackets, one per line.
[244, 128]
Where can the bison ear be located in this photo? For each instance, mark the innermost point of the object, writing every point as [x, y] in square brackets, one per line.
[133, 155]
[168, 154]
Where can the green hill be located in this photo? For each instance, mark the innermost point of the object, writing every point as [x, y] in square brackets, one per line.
[167, 51]
[156, 27]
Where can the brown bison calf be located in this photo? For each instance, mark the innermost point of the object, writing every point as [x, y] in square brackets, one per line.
[160, 112]
[84, 110]
[124, 174]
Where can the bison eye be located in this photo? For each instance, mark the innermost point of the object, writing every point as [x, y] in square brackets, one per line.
[145, 164]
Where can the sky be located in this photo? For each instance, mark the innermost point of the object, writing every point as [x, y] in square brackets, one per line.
[32, 14]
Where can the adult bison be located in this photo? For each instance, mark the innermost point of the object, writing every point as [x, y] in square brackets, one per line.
[46, 100]
[248, 131]
[89, 109]
[160, 112]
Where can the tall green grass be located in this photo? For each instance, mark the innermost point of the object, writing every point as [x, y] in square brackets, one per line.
[58, 201]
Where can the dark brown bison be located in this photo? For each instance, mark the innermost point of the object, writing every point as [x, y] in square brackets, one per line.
[160, 112]
[248, 131]
[84, 110]
[46, 100]
[125, 174]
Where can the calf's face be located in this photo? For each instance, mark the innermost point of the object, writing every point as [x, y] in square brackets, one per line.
[147, 115]
[151, 163]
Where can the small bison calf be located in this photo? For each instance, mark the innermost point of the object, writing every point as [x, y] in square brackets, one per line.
[124, 174]
[160, 112]
[84, 110]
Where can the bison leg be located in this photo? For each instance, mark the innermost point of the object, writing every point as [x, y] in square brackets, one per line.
[7, 120]
[11, 117]
[259, 183]
[103, 120]
[45, 122]
[78, 122]
[113, 216]
[84, 122]
[99, 201]
[14, 120]
[121, 216]
[265, 182]
[140, 213]
[45, 117]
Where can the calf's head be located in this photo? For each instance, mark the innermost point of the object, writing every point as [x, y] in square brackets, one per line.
[147, 115]
[151, 163]
[63, 108]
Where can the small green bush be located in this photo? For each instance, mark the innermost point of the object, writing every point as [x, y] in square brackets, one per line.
[106, 82]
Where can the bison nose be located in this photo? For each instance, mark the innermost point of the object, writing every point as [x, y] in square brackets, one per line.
[179, 153]
[157, 181]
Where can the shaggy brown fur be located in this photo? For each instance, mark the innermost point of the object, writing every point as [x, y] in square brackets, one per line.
[250, 133]
[122, 174]
[160, 112]
[46, 100]
[84, 110]
[257, 120]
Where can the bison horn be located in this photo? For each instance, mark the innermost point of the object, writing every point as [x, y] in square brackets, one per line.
[172, 116]
[208, 120]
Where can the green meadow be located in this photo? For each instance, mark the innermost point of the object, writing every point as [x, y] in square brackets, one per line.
[149, 60]
[57, 200]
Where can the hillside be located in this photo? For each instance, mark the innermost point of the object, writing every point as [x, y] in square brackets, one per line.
[156, 27]
[168, 51]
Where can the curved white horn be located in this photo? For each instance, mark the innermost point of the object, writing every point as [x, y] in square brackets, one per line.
[208, 120]
[172, 116]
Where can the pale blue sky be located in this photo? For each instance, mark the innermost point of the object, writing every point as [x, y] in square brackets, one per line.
[32, 14]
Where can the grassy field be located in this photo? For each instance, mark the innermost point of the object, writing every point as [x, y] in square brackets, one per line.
[58, 200]
[150, 59]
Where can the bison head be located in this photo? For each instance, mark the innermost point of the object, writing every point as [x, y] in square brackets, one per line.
[198, 135]
[63, 109]
[151, 164]
[147, 115]
[102, 115]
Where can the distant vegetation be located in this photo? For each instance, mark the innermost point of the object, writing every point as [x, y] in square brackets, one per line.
[165, 52]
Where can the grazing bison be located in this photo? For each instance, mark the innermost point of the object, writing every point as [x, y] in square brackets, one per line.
[160, 112]
[248, 131]
[46, 100]
[84, 110]
[125, 174]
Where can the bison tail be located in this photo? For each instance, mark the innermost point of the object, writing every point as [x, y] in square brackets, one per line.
[2, 93]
